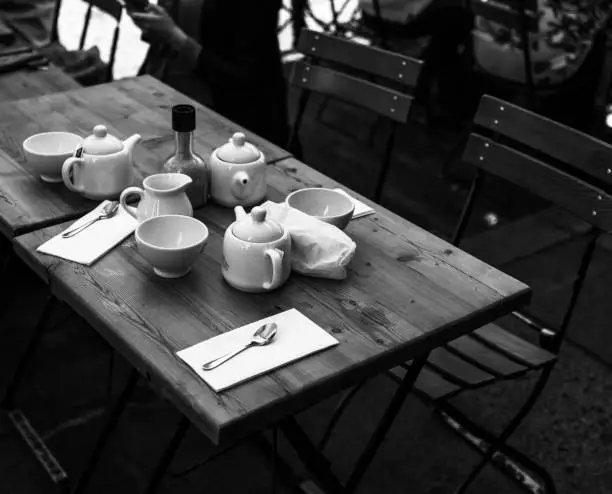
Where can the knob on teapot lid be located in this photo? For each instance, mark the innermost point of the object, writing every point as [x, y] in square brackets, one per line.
[101, 142]
[256, 228]
[237, 150]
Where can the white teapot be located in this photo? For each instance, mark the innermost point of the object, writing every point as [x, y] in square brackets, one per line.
[238, 173]
[256, 252]
[102, 168]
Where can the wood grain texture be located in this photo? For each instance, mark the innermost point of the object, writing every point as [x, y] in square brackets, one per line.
[33, 83]
[582, 152]
[407, 292]
[137, 105]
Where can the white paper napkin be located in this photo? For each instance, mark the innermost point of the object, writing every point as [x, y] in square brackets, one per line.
[361, 209]
[93, 242]
[296, 337]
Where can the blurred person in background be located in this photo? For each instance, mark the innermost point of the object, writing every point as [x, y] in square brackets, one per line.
[224, 54]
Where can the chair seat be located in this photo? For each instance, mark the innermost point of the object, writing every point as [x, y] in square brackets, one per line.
[489, 354]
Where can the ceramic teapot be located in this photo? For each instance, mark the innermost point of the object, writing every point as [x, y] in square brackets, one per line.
[256, 252]
[102, 168]
[162, 193]
[238, 173]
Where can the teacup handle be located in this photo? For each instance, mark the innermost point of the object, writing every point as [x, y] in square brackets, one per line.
[123, 198]
[67, 168]
[276, 257]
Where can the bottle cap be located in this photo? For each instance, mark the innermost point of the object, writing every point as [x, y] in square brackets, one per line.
[183, 118]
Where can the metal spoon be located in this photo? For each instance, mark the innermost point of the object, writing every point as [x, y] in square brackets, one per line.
[108, 211]
[261, 337]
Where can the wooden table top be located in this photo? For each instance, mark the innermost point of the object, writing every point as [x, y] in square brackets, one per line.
[135, 105]
[31, 83]
[407, 292]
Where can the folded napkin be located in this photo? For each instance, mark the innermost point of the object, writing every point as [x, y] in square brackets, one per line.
[361, 209]
[296, 337]
[317, 248]
[93, 242]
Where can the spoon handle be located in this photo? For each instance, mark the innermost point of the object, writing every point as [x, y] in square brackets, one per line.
[224, 358]
[80, 228]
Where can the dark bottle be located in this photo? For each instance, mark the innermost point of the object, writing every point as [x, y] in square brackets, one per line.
[185, 160]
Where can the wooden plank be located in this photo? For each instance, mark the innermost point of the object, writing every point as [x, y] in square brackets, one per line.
[407, 292]
[457, 370]
[504, 15]
[396, 67]
[479, 354]
[32, 83]
[581, 151]
[430, 383]
[589, 203]
[137, 105]
[379, 99]
[513, 346]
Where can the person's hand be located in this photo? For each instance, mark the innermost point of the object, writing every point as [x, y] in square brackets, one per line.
[157, 26]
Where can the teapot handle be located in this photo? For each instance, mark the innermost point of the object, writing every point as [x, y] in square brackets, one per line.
[276, 257]
[67, 168]
[123, 200]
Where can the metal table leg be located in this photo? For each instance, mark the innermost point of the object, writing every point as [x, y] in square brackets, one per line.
[113, 414]
[167, 457]
[320, 467]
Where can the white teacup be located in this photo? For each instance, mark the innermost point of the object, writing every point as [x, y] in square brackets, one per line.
[46, 152]
[171, 243]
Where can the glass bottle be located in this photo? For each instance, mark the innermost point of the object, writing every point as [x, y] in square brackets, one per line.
[185, 160]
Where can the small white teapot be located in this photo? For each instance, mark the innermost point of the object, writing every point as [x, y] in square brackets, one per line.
[256, 252]
[238, 173]
[103, 168]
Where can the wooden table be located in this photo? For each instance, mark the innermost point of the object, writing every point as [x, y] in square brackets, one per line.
[136, 105]
[407, 292]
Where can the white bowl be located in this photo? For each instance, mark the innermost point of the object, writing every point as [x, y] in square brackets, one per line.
[171, 243]
[46, 152]
[327, 205]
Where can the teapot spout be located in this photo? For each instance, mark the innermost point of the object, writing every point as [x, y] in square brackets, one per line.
[130, 142]
[240, 213]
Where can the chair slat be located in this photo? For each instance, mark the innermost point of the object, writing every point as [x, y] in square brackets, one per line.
[586, 201]
[457, 370]
[393, 66]
[513, 346]
[504, 15]
[486, 357]
[384, 101]
[429, 383]
[528, 5]
[563, 143]
[111, 7]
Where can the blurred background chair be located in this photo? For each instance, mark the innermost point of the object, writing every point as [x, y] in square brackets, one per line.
[370, 78]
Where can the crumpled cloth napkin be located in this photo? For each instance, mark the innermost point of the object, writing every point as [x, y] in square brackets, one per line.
[317, 248]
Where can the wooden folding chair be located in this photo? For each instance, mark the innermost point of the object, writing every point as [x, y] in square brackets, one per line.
[115, 10]
[571, 170]
[324, 70]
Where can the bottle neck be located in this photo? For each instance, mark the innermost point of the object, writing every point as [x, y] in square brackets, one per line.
[184, 144]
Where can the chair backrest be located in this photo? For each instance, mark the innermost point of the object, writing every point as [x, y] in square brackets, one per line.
[114, 9]
[577, 189]
[363, 62]
[563, 147]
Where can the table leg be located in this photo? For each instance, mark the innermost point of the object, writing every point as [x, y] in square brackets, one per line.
[400, 395]
[167, 457]
[113, 414]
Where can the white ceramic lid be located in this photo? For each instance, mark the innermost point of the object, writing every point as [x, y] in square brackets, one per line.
[101, 142]
[255, 228]
[237, 150]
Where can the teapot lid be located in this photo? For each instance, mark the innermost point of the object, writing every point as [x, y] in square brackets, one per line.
[255, 228]
[237, 150]
[101, 142]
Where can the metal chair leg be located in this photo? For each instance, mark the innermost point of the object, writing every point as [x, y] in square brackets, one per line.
[167, 456]
[510, 428]
[22, 365]
[274, 482]
[113, 414]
